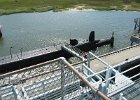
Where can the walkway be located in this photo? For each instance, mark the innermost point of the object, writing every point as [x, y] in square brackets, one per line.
[115, 57]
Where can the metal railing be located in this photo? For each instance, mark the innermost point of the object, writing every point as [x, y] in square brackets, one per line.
[80, 52]
[55, 79]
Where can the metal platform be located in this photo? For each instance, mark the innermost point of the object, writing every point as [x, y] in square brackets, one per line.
[103, 65]
[52, 80]
[130, 93]
[59, 80]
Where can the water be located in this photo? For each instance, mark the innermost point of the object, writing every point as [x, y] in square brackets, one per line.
[37, 30]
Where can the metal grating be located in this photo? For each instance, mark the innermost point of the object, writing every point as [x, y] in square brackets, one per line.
[130, 93]
[53, 80]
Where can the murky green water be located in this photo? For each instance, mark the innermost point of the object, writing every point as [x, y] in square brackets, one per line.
[37, 30]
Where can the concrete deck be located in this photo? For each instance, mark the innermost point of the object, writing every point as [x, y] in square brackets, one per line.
[115, 57]
[130, 93]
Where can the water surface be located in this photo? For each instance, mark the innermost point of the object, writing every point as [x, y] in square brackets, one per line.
[37, 30]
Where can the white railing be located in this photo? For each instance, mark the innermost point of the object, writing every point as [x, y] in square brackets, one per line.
[55, 79]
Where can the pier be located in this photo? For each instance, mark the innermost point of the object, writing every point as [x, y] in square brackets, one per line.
[118, 69]
[94, 77]
[106, 77]
[47, 81]
[112, 58]
[116, 57]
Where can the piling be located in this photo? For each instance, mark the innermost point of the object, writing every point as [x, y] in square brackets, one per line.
[0, 31]
[112, 40]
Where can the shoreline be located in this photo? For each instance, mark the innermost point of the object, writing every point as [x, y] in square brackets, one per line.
[55, 9]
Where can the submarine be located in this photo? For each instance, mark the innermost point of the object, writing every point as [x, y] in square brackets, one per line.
[13, 64]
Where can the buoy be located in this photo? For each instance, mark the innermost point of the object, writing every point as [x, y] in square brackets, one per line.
[0, 31]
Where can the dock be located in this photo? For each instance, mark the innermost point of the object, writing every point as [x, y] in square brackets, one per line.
[116, 57]
[111, 76]
[58, 79]
[108, 66]
[112, 58]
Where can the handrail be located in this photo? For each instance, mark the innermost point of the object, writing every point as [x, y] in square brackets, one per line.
[100, 56]
[62, 60]
[116, 51]
[72, 52]
[130, 83]
[123, 72]
[104, 97]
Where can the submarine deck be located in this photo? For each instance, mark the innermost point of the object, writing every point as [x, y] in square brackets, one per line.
[29, 54]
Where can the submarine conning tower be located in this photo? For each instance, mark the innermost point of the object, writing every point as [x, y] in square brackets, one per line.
[92, 36]
[0, 31]
[99, 43]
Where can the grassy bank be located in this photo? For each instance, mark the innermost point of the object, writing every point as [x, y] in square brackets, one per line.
[17, 6]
